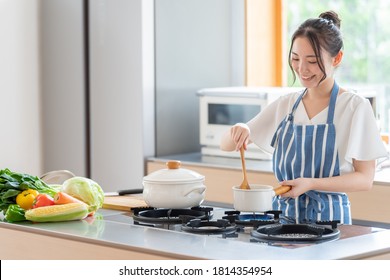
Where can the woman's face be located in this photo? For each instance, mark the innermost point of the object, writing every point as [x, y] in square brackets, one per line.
[305, 63]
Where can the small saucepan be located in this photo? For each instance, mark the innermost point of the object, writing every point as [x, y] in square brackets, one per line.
[257, 199]
[174, 187]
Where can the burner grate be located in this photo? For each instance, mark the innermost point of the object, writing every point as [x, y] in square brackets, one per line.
[295, 232]
[209, 227]
[171, 216]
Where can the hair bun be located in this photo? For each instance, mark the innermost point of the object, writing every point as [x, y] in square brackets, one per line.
[331, 16]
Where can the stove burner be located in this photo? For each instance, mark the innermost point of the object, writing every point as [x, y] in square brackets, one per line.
[252, 219]
[171, 216]
[295, 232]
[209, 227]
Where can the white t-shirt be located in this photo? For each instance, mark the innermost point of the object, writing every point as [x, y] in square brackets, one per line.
[357, 134]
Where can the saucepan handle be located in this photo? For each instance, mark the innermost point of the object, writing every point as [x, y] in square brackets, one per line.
[282, 189]
[199, 189]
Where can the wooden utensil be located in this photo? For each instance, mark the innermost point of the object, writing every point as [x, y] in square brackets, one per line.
[124, 202]
[282, 189]
[244, 185]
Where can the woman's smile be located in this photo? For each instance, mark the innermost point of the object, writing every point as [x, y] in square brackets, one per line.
[308, 81]
[307, 78]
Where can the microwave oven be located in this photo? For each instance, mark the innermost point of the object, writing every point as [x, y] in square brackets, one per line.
[220, 108]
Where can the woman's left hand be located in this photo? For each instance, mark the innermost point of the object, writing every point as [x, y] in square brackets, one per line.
[298, 186]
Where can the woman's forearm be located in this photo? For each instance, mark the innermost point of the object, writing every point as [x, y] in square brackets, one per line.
[359, 180]
[355, 181]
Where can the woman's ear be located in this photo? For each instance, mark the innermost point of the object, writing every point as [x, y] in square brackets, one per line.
[337, 59]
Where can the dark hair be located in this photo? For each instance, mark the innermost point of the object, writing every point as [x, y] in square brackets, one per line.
[324, 32]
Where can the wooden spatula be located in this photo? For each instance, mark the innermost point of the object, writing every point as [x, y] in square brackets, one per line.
[244, 184]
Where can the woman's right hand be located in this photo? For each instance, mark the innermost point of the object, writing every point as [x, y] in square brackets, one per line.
[239, 133]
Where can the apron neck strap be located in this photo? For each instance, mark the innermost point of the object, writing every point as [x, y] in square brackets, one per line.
[332, 102]
[295, 106]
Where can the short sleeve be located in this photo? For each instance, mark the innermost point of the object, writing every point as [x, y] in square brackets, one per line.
[364, 141]
[264, 125]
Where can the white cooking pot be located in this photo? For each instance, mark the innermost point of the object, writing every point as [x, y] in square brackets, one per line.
[174, 187]
[257, 199]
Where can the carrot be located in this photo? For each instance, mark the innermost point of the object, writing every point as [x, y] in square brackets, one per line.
[64, 198]
[91, 214]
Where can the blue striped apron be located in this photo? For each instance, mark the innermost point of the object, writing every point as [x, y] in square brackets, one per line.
[309, 151]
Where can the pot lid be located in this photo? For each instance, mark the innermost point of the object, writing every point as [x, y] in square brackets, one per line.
[174, 174]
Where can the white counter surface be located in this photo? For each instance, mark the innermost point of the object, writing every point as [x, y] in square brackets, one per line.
[115, 229]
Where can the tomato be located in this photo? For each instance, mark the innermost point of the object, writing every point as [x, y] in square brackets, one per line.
[42, 199]
[26, 198]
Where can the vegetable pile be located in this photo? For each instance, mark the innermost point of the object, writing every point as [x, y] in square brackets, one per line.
[26, 197]
[13, 183]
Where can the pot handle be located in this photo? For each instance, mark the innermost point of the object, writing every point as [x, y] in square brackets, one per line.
[282, 189]
[199, 189]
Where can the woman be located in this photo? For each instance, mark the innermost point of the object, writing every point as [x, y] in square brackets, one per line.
[324, 139]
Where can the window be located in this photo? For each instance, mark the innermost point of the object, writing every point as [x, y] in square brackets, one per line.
[365, 25]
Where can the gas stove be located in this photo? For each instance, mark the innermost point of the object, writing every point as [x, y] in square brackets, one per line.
[268, 228]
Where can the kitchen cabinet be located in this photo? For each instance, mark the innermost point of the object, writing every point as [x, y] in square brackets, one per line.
[373, 205]
[221, 174]
[93, 71]
[63, 248]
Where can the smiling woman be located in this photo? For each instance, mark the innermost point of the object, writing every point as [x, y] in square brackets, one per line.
[366, 63]
[311, 150]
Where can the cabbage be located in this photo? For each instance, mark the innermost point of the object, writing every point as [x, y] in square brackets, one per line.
[86, 190]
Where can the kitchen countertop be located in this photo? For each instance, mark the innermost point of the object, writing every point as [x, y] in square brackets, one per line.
[382, 176]
[113, 228]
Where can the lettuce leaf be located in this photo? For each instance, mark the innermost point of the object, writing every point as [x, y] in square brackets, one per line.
[85, 190]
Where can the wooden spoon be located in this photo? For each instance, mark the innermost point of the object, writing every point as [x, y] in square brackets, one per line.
[244, 185]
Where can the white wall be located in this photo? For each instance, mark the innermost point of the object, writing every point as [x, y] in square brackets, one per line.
[20, 138]
[199, 44]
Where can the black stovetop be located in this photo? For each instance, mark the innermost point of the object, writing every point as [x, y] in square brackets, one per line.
[269, 228]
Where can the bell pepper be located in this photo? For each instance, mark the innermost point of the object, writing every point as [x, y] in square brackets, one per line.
[26, 198]
[42, 199]
[15, 213]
